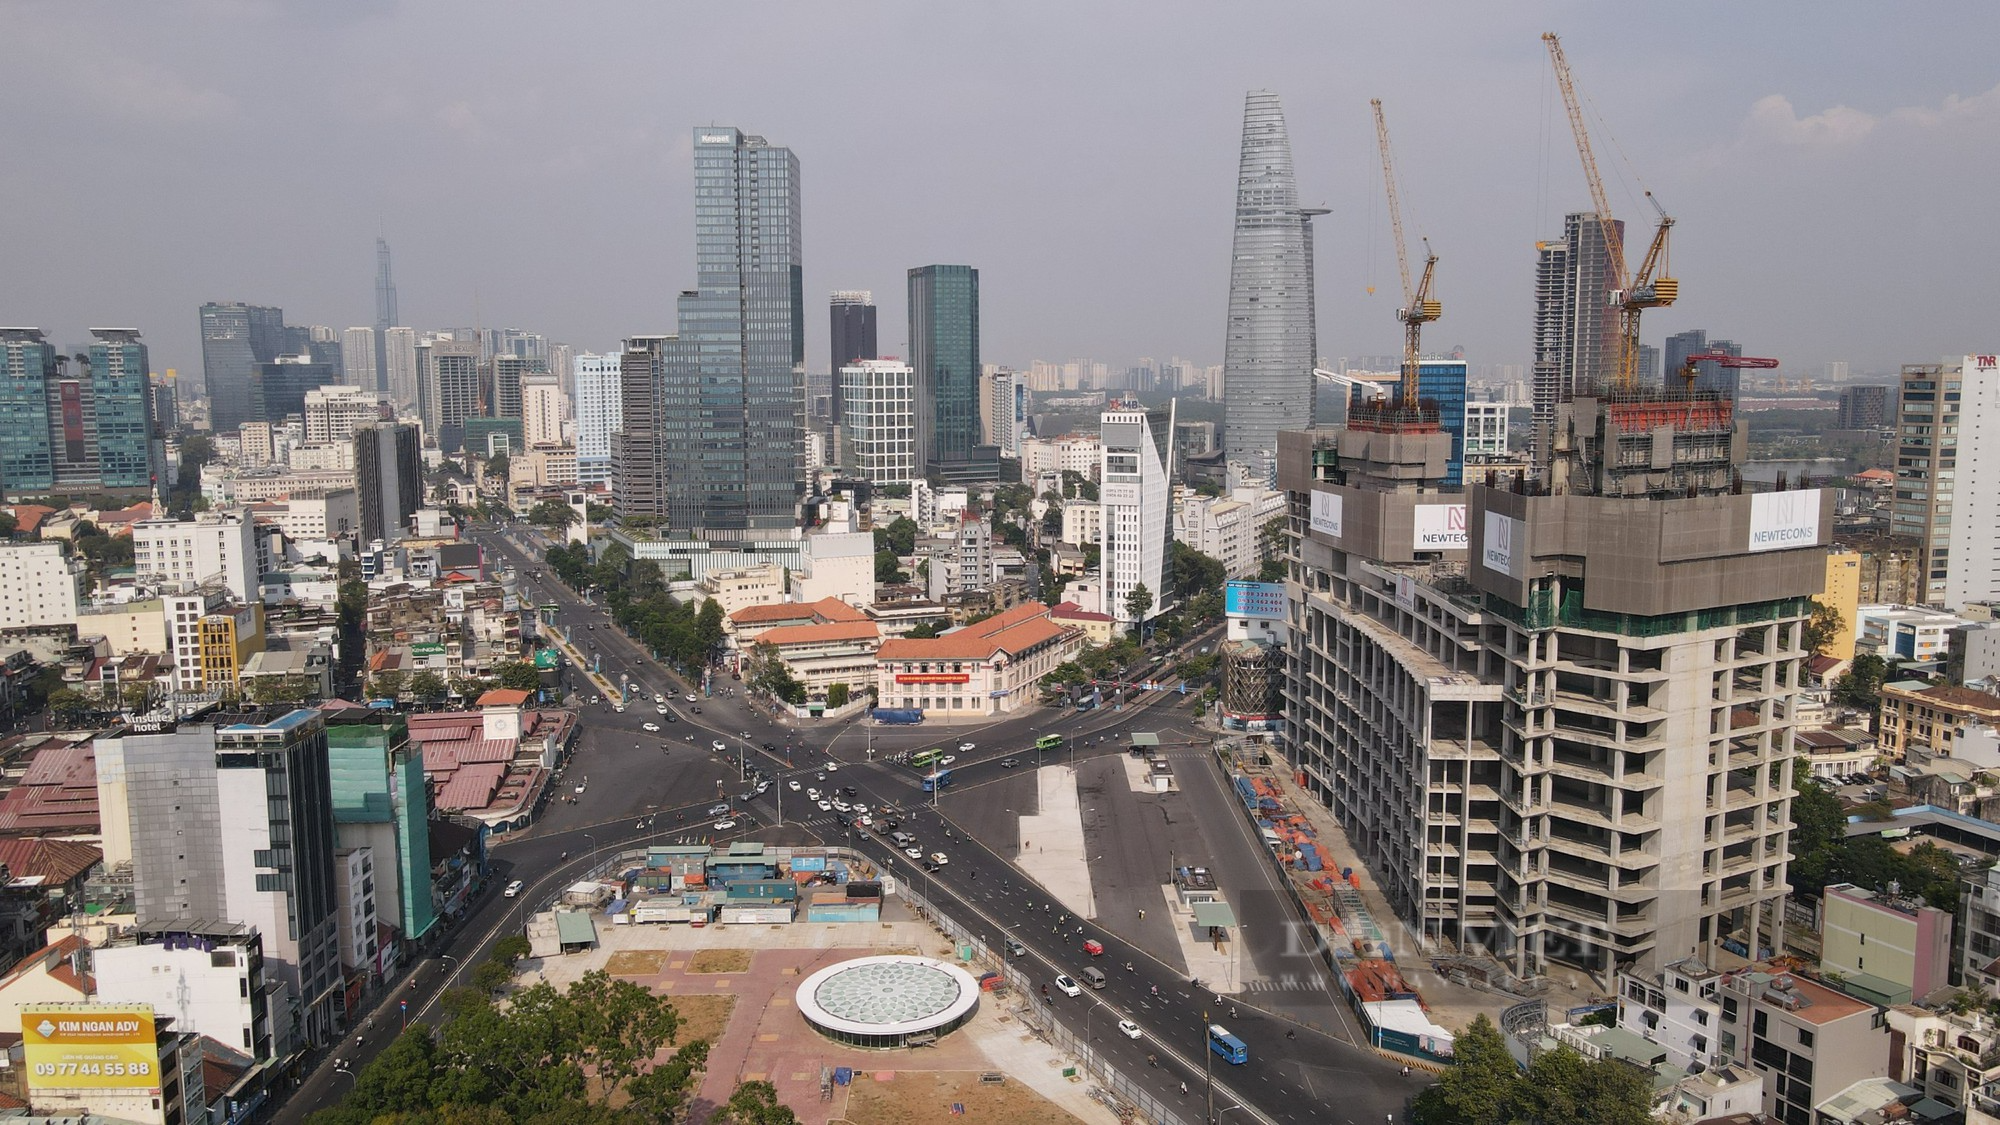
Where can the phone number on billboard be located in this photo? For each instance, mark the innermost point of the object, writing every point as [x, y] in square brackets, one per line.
[94, 1070]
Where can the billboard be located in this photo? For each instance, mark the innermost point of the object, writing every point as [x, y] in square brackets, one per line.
[1326, 513]
[1440, 527]
[934, 677]
[1784, 519]
[546, 658]
[90, 1047]
[1263, 600]
[1498, 553]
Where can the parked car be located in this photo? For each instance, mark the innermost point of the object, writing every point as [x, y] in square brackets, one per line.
[718, 809]
[724, 825]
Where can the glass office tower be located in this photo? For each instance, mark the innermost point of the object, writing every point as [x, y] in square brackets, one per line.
[944, 351]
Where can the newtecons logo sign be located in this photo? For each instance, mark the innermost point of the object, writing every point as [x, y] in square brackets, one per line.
[90, 1047]
[1784, 519]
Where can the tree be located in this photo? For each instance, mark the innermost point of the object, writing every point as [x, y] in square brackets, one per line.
[512, 948]
[765, 671]
[1821, 628]
[1068, 673]
[1861, 685]
[518, 675]
[1562, 1087]
[196, 450]
[889, 568]
[135, 696]
[1194, 572]
[388, 685]
[498, 466]
[837, 695]
[899, 537]
[284, 689]
[491, 976]
[708, 630]
[552, 514]
[755, 1103]
[1479, 1089]
[923, 631]
[428, 686]
[469, 688]
[1139, 602]
[70, 706]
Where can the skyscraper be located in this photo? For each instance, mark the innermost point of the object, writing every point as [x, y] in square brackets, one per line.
[878, 442]
[235, 338]
[86, 427]
[1268, 355]
[388, 474]
[400, 375]
[1138, 456]
[503, 391]
[385, 316]
[448, 373]
[1576, 325]
[1928, 444]
[726, 392]
[1709, 375]
[1973, 538]
[597, 416]
[358, 356]
[852, 336]
[944, 351]
[541, 410]
[278, 389]
[636, 455]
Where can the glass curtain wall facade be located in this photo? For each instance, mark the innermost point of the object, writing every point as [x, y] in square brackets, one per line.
[730, 397]
[235, 339]
[121, 392]
[27, 371]
[944, 352]
[1442, 381]
[1268, 355]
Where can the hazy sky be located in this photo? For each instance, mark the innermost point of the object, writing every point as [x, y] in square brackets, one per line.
[1831, 164]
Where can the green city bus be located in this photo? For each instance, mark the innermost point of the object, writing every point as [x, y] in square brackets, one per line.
[923, 758]
[1049, 742]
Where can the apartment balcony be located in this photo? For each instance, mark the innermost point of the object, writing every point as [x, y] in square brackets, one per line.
[1597, 816]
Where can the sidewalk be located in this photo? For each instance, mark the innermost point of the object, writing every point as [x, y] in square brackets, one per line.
[1052, 844]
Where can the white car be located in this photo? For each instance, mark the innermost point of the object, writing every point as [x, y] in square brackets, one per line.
[812, 794]
[914, 853]
[658, 698]
[826, 806]
[833, 767]
[662, 708]
[690, 698]
[793, 785]
[965, 747]
[1129, 1029]
[864, 821]
[724, 825]
[718, 746]
[581, 788]
[650, 728]
[1067, 986]
[939, 859]
[513, 888]
[947, 759]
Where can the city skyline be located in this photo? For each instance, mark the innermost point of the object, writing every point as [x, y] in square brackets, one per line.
[1777, 165]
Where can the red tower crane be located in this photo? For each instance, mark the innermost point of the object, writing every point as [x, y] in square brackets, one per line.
[1721, 359]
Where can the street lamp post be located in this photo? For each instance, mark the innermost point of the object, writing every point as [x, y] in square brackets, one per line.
[1089, 1053]
[742, 750]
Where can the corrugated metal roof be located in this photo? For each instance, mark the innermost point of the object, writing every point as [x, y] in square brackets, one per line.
[574, 927]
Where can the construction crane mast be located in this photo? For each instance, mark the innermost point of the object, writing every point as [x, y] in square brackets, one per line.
[1635, 292]
[1419, 307]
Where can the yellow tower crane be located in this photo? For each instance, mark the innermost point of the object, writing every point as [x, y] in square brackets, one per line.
[1635, 292]
[1419, 307]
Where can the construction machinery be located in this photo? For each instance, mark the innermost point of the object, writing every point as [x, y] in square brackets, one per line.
[1689, 372]
[1636, 292]
[1419, 306]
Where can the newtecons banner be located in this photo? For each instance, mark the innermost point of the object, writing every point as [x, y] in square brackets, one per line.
[90, 1047]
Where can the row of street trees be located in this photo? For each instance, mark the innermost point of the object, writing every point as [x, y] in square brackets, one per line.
[430, 687]
[636, 593]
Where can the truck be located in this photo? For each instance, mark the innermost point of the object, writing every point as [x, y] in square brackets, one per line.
[897, 716]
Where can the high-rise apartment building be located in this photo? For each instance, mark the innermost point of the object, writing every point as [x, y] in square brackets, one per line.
[39, 585]
[852, 336]
[1544, 742]
[235, 339]
[235, 823]
[541, 410]
[389, 478]
[1576, 325]
[1272, 341]
[399, 346]
[1863, 408]
[878, 434]
[944, 352]
[333, 413]
[1135, 494]
[1005, 417]
[637, 457]
[503, 390]
[1927, 450]
[598, 416]
[380, 802]
[1973, 539]
[357, 359]
[448, 373]
[721, 434]
[85, 425]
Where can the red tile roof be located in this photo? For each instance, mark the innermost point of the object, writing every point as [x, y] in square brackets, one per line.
[503, 697]
[816, 634]
[1016, 630]
[819, 612]
[1070, 611]
[471, 787]
[54, 862]
[28, 517]
[57, 794]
